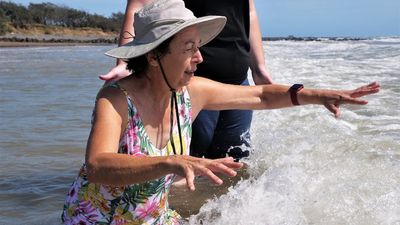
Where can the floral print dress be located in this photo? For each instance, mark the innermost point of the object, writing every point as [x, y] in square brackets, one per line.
[144, 203]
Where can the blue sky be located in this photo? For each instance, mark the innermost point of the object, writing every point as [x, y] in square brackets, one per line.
[321, 18]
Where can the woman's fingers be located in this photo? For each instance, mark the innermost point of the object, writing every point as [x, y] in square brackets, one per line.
[374, 85]
[227, 166]
[333, 109]
[352, 100]
[192, 166]
[333, 105]
[210, 174]
[230, 162]
[365, 90]
[194, 169]
[221, 168]
[200, 171]
[190, 179]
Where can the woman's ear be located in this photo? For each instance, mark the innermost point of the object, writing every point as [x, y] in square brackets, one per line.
[152, 58]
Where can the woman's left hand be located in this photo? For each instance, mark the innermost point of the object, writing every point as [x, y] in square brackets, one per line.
[333, 99]
[189, 167]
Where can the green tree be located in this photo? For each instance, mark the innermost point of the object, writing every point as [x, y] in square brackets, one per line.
[3, 27]
[17, 14]
[50, 14]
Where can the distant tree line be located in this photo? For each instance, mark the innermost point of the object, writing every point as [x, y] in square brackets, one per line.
[50, 14]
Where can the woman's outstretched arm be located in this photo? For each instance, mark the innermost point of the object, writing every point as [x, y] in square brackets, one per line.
[213, 95]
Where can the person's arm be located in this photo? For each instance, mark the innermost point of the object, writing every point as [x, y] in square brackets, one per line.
[104, 165]
[127, 32]
[126, 35]
[213, 95]
[257, 61]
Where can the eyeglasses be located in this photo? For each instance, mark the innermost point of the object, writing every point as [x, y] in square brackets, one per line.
[192, 48]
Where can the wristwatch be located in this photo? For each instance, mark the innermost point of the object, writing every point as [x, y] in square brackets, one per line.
[293, 90]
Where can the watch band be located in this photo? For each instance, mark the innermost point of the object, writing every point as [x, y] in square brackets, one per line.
[293, 90]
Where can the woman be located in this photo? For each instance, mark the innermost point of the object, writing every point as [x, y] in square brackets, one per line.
[141, 127]
[226, 59]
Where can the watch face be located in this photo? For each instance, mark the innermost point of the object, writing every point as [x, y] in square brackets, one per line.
[293, 90]
[297, 87]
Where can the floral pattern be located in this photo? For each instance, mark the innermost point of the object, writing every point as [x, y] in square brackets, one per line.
[144, 203]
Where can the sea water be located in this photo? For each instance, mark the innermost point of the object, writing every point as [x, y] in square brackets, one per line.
[306, 167]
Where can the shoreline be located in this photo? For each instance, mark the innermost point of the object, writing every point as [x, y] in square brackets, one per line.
[52, 40]
[7, 44]
[20, 40]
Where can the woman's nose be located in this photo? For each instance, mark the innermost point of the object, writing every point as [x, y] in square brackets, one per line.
[197, 57]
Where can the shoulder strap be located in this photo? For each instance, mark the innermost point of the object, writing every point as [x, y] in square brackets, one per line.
[116, 85]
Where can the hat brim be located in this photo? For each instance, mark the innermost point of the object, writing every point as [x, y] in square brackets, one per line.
[208, 28]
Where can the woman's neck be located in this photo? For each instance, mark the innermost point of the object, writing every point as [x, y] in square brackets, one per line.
[150, 88]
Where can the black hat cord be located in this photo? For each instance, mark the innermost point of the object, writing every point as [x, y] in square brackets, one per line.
[173, 99]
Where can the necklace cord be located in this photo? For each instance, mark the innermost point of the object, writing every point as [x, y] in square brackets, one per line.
[177, 119]
[171, 127]
[173, 98]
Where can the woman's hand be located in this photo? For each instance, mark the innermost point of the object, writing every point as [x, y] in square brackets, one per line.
[116, 73]
[189, 167]
[333, 99]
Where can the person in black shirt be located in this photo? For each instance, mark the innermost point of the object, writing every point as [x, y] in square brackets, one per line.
[226, 59]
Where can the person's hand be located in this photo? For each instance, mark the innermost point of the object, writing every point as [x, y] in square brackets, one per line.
[261, 76]
[189, 167]
[116, 73]
[333, 99]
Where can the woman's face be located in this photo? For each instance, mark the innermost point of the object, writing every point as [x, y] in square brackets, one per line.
[181, 61]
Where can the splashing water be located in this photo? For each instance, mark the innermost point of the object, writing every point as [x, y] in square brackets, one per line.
[310, 168]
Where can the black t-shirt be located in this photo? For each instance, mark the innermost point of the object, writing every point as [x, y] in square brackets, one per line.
[226, 58]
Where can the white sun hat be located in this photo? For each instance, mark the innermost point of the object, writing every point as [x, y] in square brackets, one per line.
[162, 19]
